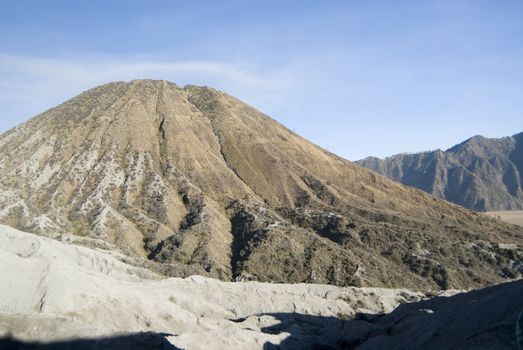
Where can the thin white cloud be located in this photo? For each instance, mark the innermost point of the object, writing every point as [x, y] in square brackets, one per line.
[32, 84]
[89, 70]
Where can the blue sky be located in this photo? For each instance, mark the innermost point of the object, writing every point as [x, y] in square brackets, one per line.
[357, 77]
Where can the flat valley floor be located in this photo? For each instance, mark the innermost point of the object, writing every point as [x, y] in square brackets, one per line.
[511, 216]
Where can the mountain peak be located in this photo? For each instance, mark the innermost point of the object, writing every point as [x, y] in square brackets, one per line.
[474, 141]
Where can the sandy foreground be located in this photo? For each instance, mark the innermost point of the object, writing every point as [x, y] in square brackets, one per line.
[62, 295]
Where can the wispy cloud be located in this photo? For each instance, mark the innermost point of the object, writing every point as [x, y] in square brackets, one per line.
[34, 83]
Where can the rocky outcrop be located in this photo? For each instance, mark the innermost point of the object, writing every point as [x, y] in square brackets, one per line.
[193, 180]
[59, 295]
[481, 173]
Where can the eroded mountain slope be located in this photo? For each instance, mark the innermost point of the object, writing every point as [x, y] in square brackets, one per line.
[195, 177]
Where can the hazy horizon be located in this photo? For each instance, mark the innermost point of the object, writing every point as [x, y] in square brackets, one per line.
[360, 78]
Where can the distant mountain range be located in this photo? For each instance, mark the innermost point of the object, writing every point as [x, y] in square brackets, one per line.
[483, 174]
[194, 181]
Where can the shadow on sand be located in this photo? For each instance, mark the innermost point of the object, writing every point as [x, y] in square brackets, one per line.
[137, 341]
[479, 319]
[319, 332]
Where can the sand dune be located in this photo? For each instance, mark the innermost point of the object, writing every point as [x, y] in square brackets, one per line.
[67, 295]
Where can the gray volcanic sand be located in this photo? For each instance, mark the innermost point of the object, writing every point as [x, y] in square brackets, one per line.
[69, 296]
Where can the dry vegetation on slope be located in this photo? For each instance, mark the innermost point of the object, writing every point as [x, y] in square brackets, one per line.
[192, 176]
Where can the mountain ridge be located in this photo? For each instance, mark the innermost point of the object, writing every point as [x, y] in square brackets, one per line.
[194, 177]
[480, 173]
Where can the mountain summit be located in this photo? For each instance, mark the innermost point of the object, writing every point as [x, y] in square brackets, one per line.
[195, 181]
[480, 173]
